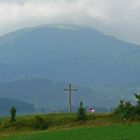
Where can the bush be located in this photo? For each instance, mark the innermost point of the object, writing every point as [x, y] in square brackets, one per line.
[38, 123]
[61, 119]
[120, 108]
[137, 107]
[81, 115]
[5, 123]
[125, 110]
[13, 114]
[91, 117]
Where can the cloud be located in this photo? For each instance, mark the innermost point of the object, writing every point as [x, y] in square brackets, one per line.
[118, 18]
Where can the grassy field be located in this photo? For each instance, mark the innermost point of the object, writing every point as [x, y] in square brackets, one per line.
[66, 127]
[114, 132]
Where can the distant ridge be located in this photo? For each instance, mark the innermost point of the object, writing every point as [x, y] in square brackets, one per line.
[22, 107]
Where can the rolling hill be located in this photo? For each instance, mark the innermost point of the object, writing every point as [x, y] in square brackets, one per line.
[47, 94]
[22, 107]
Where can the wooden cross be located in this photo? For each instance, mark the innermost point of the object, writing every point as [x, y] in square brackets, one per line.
[69, 89]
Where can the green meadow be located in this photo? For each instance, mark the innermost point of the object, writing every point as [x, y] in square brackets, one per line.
[65, 127]
[113, 132]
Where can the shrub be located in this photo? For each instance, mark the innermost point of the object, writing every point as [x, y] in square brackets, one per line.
[91, 117]
[5, 123]
[125, 110]
[13, 114]
[38, 123]
[120, 108]
[137, 107]
[81, 115]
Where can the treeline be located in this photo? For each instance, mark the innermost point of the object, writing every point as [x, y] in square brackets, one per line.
[126, 110]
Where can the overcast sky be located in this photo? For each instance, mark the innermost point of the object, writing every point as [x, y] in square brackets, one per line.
[120, 18]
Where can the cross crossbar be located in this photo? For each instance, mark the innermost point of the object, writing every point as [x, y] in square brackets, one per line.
[70, 89]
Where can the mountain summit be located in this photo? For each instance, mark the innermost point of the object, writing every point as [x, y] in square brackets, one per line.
[69, 52]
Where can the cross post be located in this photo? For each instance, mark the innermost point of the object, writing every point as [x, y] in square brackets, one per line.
[70, 89]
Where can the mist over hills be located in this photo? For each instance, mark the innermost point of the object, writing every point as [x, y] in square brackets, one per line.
[47, 94]
[63, 52]
[71, 53]
[22, 107]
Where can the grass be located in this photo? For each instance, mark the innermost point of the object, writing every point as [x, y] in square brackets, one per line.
[114, 132]
[65, 127]
[53, 121]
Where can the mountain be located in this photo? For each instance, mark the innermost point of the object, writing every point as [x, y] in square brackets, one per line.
[68, 52]
[22, 107]
[44, 44]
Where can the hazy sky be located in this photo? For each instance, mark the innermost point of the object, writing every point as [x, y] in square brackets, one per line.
[120, 18]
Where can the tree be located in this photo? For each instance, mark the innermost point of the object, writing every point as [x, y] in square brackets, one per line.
[129, 110]
[13, 114]
[137, 108]
[81, 115]
[119, 109]
[125, 110]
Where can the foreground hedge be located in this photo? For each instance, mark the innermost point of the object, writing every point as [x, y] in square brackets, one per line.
[39, 122]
